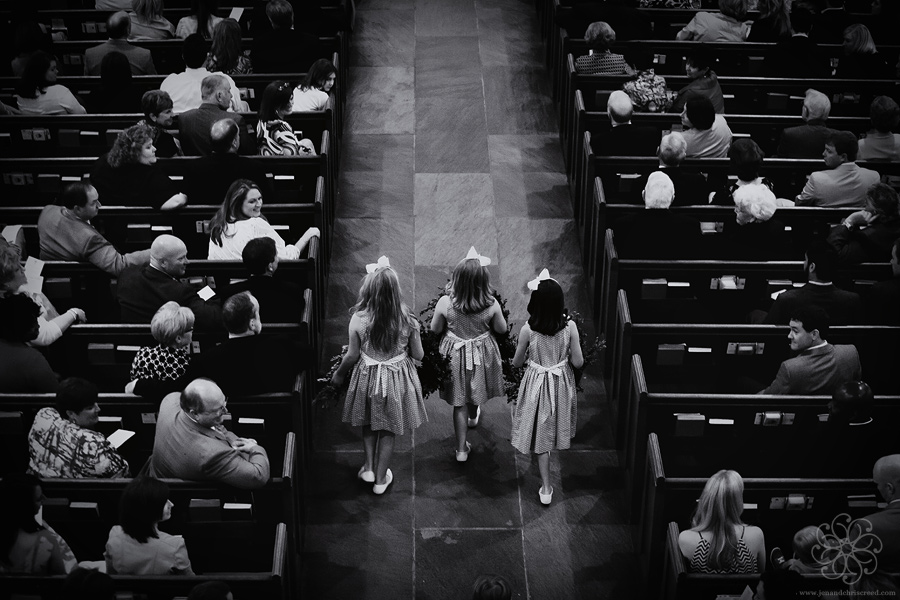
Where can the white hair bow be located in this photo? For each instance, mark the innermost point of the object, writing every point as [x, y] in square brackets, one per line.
[534, 283]
[473, 253]
[382, 263]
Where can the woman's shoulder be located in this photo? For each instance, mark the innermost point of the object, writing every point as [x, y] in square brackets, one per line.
[688, 540]
[172, 541]
[753, 534]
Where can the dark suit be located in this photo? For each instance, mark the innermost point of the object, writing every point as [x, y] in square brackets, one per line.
[804, 141]
[884, 300]
[886, 528]
[285, 51]
[139, 58]
[797, 57]
[210, 176]
[754, 241]
[280, 301]
[142, 290]
[843, 307]
[628, 140]
[657, 233]
[628, 22]
[255, 364]
[870, 244]
[194, 126]
[184, 449]
[830, 25]
[817, 371]
[690, 188]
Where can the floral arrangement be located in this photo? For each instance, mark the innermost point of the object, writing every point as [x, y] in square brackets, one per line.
[328, 395]
[434, 369]
[592, 351]
[512, 376]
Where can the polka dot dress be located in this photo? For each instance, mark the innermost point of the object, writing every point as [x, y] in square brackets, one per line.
[160, 363]
[384, 390]
[546, 409]
[485, 378]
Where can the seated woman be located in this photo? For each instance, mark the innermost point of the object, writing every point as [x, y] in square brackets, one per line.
[312, 93]
[38, 93]
[129, 176]
[240, 219]
[728, 25]
[746, 158]
[600, 60]
[752, 234]
[774, 22]
[157, 370]
[274, 136]
[148, 22]
[718, 542]
[22, 368]
[13, 281]
[27, 546]
[226, 55]
[861, 58]
[880, 142]
[648, 91]
[698, 68]
[157, 108]
[202, 20]
[116, 93]
[137, 546]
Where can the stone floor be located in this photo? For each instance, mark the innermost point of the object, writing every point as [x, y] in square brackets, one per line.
[450, 141]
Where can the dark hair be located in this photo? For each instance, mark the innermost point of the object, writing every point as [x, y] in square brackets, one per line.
[851, 402]
[700, 111]
[885, 200]
[237, 312]
[280, 14]
[18, 318]
[154, 102]
[276, 95]
[844, 142]
[825, 258]
[746, 158]
[129, 144]
[884, 114]
[203, 10]
[640, 58]
[17, 504]
[258, 254]
[547, 308]
[115, 73]
[194, 50]
[75, 394]
[230, 211]
[75, 194]
[702, 57]
[318, 73]
[801, 19]
[141, 507]
[812, 317]
[88, 584]
[211, 590]
[34, 77]
[222, 141]
[491, 587]
[226, 45]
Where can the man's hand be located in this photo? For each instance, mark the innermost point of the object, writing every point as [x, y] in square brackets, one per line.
[244, 444]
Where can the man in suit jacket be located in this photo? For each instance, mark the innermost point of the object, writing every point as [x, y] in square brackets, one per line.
[831, 23]
[118, 26]
[808, 140]
[882, 529]
[279, 299]
[284, 49]
[844, 183]
[843, 307]
[798, 56]
[194, 125]
[192, 443]
[690, 188]
[884, 297]
[656, 232]
[819, 367]
[623, 138]
[142, 290]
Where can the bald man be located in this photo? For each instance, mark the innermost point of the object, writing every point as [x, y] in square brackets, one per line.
[885, 526]
[624, 138]
[195, 125]
[141, 291]
[118, 26]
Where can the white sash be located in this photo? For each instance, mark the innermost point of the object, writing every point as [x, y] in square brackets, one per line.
[391, 364]
[550, 375]
[472, 352]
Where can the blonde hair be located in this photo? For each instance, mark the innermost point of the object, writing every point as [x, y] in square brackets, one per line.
[861, 41]
[171, 321]
[470, 286]
[719, 512]
[380, 300]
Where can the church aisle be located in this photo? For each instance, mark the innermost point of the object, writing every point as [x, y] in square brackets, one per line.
[450, 141]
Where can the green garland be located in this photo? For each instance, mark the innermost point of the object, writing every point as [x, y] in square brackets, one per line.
[591, 351]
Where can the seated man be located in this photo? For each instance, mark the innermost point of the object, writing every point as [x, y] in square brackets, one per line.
[284, 49]
[867, 235]
[884, 297]
[623, 138]
[249, 363]
[23, 369]
[690, 188]
[842, 307]
[66, 232]
[807, 140]
[62, 441]
[194, 125]
[192, 443]
[118, 26]
[600, 37]
[142, 290]
[844, 183]
[657, 232]
[881, 530]
[280, 299]
[706, 133]
[184, 88]
[798, 56]
[819, 367]
[210, 176]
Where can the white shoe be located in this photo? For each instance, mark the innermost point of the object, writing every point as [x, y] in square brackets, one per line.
[545, 498]
[367, 476]
[474, 422]
[463, 456]
[388, 478]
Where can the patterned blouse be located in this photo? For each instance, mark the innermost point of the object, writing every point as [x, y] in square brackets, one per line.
[743, 560]
[648, 92]
[276, 138]
[599, 63]
[160, 363]
[60, 448]
[243, 66]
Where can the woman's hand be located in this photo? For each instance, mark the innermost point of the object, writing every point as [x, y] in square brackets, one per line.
[78, 314]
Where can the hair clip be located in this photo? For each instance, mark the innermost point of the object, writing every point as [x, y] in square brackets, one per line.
[534, 283]
[473, 253]
[382, 263]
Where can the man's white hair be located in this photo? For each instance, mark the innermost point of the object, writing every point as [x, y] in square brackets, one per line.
[659, 191]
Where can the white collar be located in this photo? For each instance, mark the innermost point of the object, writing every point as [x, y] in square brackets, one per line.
[822, 283]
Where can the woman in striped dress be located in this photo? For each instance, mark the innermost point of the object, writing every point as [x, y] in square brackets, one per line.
[384, 396]
[545, 412]
[274, 135]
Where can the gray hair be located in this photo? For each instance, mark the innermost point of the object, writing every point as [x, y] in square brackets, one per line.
[171, 321]
[672, 149]
[599, 35]
[659, 191]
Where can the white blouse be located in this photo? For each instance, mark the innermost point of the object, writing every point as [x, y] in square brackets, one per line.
[236, 236]
[56, 100]
[311, 99]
